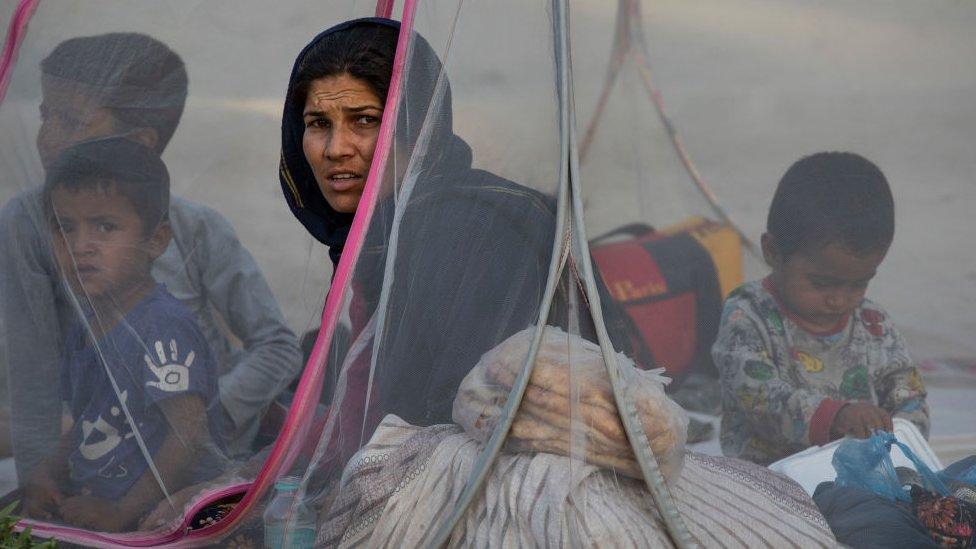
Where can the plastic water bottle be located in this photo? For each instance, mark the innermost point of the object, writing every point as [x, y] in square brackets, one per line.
[287, 520]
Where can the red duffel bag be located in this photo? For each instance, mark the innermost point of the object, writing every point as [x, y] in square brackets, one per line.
[665, 290]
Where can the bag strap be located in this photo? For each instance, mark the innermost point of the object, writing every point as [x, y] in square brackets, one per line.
[931, 480]
[633, 230]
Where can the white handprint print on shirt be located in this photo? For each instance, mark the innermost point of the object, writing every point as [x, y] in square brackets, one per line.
[172, 376]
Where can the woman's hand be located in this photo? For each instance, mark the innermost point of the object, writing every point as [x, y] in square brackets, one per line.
[860, 419]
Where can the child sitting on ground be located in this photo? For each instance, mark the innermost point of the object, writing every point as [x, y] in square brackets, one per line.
[804, 357]
[137, 374]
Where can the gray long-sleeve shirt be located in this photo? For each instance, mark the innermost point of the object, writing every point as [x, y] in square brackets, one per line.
[205, 267]
[782, 386]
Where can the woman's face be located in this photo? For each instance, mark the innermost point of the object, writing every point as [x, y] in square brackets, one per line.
[342, 121]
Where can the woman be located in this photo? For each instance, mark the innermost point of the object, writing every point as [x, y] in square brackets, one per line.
[455, 261]
[452, 266]
[458, 259]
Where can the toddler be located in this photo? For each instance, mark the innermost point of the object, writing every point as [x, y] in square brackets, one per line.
[137, 374]
[804, 357]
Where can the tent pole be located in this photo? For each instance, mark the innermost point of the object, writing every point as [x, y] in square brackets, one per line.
[619, 55]
[306, 396]
[629, 30]
[560, 254]
[16, 32]
[660, 492]
[641, 55]
[499, 434]
[600, 104]
[644, 69]
[403, 197]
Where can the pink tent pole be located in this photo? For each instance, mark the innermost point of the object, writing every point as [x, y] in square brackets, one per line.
[300, 414]
[15, 35]
[307, 394]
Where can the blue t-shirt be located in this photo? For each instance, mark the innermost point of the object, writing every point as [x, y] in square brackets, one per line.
[155, 353]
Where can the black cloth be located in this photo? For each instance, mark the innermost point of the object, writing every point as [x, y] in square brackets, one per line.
[459, 288]
[294, 174]
[860, 518]
[472, 254]
[948, 519]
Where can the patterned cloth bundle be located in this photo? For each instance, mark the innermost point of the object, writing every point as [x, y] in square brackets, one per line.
[401, 482]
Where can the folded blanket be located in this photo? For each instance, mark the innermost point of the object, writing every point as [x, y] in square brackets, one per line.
[406, 480]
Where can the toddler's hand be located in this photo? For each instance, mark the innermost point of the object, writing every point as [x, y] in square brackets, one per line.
[860, 419]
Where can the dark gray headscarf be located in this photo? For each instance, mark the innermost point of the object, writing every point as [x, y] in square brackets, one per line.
[295, 176]
[472, 251]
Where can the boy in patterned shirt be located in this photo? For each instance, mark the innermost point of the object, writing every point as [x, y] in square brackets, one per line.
[804, 357]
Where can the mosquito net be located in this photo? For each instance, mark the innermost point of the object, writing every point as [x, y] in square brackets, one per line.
[498, 319]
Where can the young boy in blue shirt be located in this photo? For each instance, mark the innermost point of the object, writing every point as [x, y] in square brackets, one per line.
[137, 374]
[130, 85]
[804, 357]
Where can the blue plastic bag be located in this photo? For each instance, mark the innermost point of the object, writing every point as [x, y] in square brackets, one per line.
[866, 463]
[963, 470]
